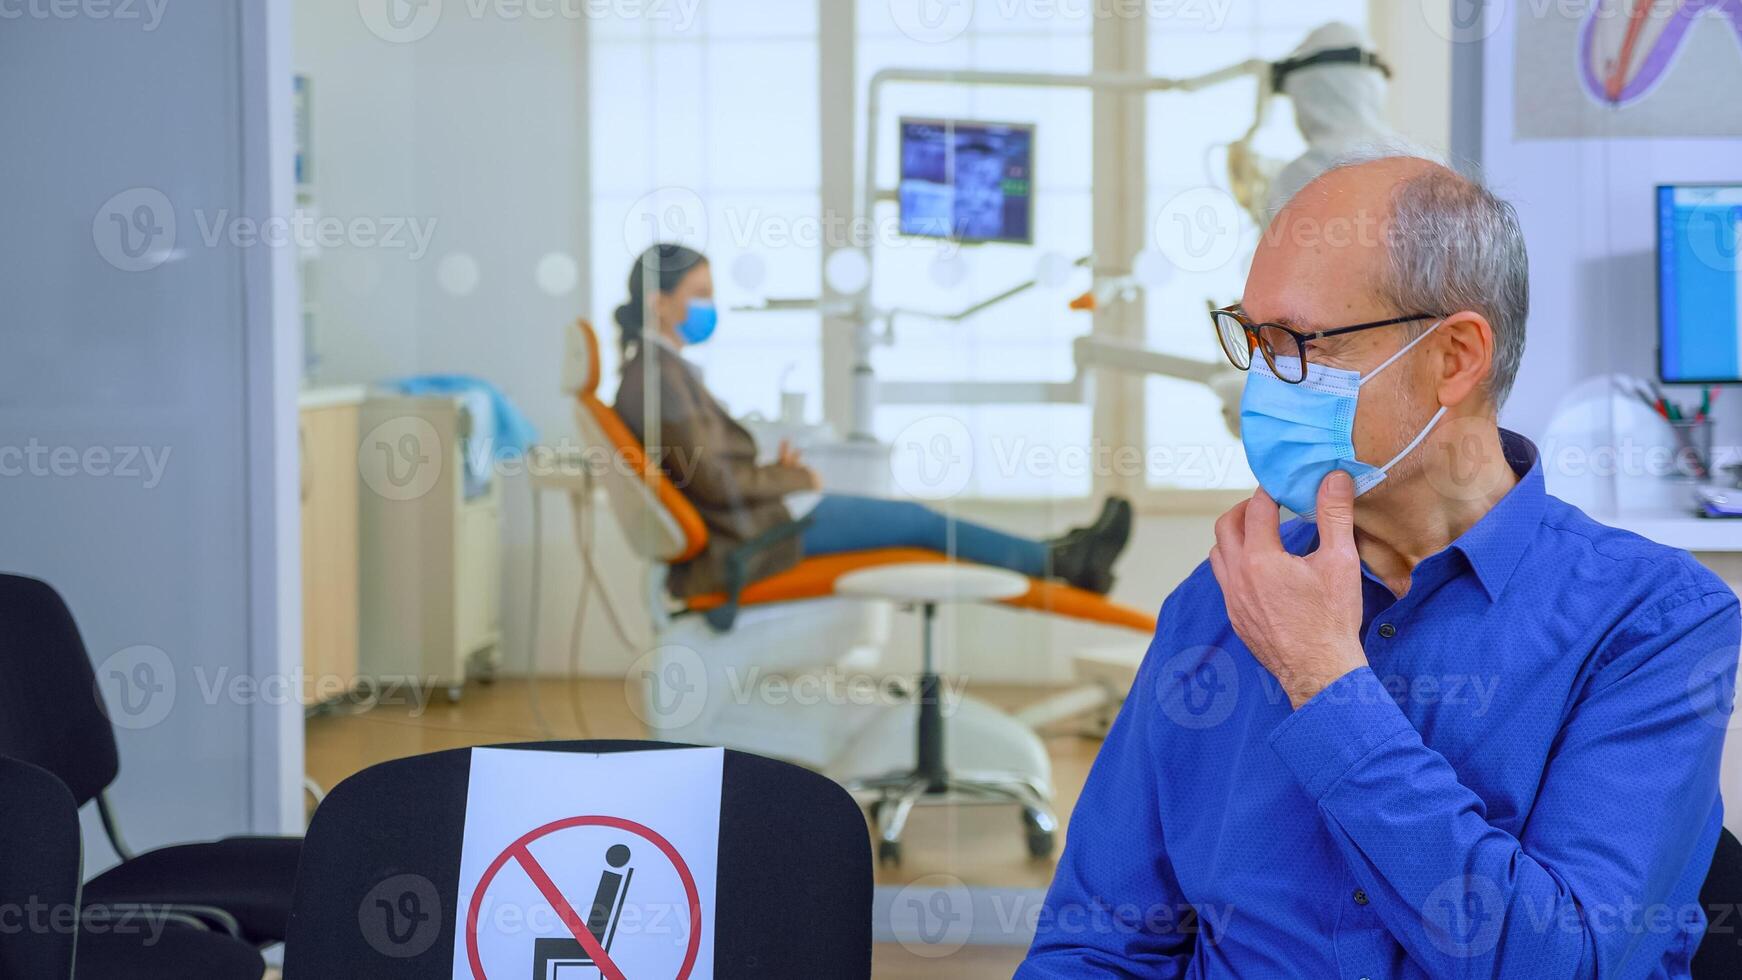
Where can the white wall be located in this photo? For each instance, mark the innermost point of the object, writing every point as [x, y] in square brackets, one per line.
[1421, 60]
[181, 361]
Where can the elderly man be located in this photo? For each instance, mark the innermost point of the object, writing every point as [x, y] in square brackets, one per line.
[1453, 727]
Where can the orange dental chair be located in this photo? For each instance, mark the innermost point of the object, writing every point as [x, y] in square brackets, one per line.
[728, 668]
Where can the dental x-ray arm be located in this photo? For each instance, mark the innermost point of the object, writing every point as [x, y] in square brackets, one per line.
[1093, 353]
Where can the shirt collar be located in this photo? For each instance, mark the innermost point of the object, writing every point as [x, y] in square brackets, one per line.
[1495, 544]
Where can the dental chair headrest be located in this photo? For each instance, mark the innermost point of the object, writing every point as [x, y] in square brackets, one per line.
[580, 360]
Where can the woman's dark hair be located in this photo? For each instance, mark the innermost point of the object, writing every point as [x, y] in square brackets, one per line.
[671, 263]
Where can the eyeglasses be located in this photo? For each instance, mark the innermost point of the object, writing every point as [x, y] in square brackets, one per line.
[1240, 337]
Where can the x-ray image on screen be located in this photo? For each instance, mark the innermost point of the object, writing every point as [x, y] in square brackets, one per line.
[967, 181]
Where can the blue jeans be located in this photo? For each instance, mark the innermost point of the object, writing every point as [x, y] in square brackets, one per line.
[846, 523]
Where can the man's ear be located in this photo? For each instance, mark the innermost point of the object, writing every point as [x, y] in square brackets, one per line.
[1467, 343]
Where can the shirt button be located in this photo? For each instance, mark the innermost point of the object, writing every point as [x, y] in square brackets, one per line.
[1360, 897]
[1387, 630]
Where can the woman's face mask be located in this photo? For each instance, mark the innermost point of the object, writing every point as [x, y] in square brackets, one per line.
[1296, 434]
[698, 325]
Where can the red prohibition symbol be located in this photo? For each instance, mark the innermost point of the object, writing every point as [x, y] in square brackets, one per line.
[576, 924]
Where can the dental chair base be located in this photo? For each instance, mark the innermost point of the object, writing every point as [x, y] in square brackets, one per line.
[799, 682]
[970, 752]
[790, 680]
[982, 756]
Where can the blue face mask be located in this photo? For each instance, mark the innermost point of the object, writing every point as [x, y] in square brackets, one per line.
[1295, 435]
[700, 323]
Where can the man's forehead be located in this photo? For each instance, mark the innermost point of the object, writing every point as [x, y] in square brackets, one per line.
[1300, 277]
[1310, 302]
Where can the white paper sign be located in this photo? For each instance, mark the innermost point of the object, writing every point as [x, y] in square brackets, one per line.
[578, 866]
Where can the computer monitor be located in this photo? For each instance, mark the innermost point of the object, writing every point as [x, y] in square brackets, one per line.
[967, 181]
[1699, 283]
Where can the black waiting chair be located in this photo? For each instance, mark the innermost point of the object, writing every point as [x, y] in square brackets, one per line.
[793, 889]
[39, 869]
[40, 861]
[50, 716]
[166, 948]
[1720, 954]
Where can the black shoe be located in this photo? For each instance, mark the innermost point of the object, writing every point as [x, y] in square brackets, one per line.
[1085, 557]
[1110, 510]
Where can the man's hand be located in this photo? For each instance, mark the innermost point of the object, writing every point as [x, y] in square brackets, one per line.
[1300, 616]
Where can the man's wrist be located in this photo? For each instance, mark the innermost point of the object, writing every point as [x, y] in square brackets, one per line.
[1304, 685]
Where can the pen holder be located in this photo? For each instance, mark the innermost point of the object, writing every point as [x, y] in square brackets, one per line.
[1693, 447]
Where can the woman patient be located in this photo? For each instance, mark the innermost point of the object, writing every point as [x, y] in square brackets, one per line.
[712, 460]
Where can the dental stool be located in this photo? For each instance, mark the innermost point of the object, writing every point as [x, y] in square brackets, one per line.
[975, 753]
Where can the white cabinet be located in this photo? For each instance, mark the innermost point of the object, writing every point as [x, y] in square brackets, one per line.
[328, 487]
[431, 547]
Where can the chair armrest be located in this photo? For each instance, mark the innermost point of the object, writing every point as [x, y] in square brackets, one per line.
[738, 560]
[206, 917]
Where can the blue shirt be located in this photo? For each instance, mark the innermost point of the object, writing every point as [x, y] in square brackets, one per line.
[1523, 783]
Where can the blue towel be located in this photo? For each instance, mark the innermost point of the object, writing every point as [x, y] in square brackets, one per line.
[509, 432]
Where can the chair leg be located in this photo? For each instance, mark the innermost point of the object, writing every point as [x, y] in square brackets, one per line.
[892, 811]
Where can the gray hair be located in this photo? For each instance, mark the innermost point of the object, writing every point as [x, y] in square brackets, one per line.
[1454, 246]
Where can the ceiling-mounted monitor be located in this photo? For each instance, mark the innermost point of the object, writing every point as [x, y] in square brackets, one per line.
[967, 181]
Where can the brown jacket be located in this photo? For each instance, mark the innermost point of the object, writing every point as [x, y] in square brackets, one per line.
[711, 459]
